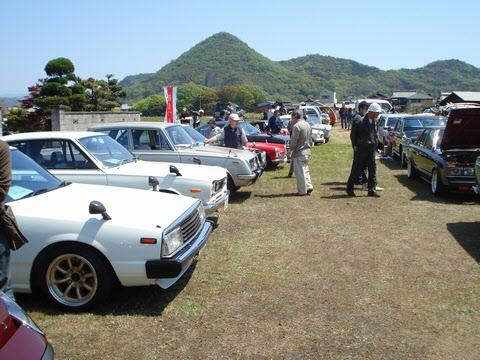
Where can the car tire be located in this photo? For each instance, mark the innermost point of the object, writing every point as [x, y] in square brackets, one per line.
[411, 172]
[74, 277]
[231, 185]
[436, 185]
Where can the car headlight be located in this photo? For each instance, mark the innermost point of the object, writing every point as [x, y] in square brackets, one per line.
[172, 241]
[17, 312]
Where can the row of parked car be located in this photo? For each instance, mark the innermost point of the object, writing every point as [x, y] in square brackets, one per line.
[443, 151]
[86, 237]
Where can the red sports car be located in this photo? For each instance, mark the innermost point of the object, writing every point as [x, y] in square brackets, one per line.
[276, 153]
[20, 337]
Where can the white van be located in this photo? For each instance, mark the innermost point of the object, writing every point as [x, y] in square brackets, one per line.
[385, 104]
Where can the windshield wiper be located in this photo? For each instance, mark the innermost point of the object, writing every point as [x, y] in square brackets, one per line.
[36, 192]
[63, 184]
[125, 161]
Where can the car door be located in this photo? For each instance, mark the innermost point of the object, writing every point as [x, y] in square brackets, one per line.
[152, 145]
[426, 152]
[397, 136]
[415, 150]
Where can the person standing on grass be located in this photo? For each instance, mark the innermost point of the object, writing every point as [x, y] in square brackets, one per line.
[362, 111]
[349, 118]
[232, 135]
[343, 116]
[273, 123]
[10, 236]
[300, 153]
[364, 141]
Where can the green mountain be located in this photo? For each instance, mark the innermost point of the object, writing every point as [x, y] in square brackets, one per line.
[223, 59]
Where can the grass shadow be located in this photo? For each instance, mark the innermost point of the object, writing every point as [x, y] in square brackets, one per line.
[391, 164]
[335, 183]
[466, 234]
[423, 193]
[140, 300]
[239, 197]
[273, 196]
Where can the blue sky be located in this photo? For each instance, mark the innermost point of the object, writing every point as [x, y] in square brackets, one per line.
[129, 37]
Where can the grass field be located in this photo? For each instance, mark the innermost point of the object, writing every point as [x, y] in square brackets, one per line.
[324, 276]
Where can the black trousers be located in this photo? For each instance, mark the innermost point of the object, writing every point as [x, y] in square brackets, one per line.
[364, 157]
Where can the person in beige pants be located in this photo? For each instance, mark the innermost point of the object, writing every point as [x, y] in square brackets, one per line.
[300, 153]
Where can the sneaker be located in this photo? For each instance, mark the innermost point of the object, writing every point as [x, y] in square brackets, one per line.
[309, 191]
[373, 194]
[378, 188]
[351, 193]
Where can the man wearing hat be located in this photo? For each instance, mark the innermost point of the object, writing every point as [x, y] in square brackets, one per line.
[364, 142]
[232, 135]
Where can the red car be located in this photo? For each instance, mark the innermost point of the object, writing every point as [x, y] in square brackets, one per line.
[20, 337]
[276, 153]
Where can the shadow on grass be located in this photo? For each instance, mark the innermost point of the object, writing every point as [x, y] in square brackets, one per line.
[338, 196]
[467, 235]
[392, 164]
[239, 197]
[273, 196]
[335, 183]
[144, 300]
[423, 193]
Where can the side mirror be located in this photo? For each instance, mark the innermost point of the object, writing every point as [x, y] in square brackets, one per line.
[174, 170]
[96, 207]
[153, 182]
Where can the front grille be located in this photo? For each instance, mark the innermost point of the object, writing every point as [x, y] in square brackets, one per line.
[218, 185]
[190, 226]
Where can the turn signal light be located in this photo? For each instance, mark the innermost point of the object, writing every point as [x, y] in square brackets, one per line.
[195, 190]
[149, 241]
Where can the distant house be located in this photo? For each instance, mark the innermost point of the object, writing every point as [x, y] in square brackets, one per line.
[411, 100]
[461, 97]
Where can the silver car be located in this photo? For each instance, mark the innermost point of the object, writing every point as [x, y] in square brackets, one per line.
[164, 142]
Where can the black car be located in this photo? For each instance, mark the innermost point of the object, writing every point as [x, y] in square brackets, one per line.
[253, 133]
[406, 130]
[445, 156]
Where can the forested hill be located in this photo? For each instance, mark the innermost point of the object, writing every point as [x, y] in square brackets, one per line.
[223, 59]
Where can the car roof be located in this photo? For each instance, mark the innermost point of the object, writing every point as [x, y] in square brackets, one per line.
[49, 135]
[133, 124]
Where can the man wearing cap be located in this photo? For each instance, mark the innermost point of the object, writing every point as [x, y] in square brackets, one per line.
[232, 135]
[300, 153]
[364, 142]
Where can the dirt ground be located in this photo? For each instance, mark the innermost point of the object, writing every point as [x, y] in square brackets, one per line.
[318, 277]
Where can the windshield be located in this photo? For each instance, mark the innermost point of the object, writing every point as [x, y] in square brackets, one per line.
[178, 136]
[106, 150]
[313, 120]
[195, 135]
[433, 121]
[248, 128]
[412, 124]
[29, 178]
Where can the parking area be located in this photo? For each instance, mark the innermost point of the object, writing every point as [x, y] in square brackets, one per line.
[323, 276]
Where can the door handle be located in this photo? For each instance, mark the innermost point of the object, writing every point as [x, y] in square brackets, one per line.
[197, 161]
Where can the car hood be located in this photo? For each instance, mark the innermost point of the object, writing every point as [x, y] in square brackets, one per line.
[153, 168]
[220, 151]
[71, 204]
[278, 139]
[462, 130]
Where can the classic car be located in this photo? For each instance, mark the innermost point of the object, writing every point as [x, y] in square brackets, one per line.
[386, 124]
[20, 337]
[406, 131]
[84, 239]
[445, 156]
[94, 158]
[384, 104]
[319, 119]
[318, 136]
[270, 155]
[155, 141]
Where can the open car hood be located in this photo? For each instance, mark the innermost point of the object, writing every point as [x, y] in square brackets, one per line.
[462, 130]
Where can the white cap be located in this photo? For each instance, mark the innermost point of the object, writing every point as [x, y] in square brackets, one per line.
[234, 117]
[374, 107]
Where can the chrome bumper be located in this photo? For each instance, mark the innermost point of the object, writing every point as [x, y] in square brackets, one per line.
[168, 271]
[217, 203]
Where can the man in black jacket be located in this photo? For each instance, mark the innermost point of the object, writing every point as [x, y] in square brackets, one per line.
[364, 142]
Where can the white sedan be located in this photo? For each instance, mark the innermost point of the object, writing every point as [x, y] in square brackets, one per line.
[93, 158]
[83, 239]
